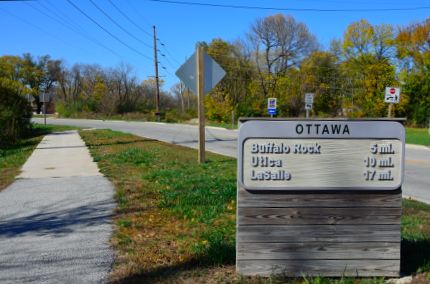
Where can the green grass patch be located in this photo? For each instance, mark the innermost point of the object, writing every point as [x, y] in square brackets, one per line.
[176, 219]
[415, 237]
[172, 212]
[13, 157]
[227, 125]
[419, 136]
[174, 215]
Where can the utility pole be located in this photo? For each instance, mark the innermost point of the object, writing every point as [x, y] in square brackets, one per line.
[201, 96]
[157, 83]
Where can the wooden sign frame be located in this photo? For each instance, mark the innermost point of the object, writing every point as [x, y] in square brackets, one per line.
[318, 231]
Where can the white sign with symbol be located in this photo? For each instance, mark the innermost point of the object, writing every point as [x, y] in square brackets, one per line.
[271, 103]
[392, 95]
[309, 100]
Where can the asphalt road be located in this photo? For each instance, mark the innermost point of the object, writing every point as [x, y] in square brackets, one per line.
[223, 141]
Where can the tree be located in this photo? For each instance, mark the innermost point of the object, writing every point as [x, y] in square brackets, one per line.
[357, 39]
[232, 91]
[15, 112]
[413, 49]
[179, 91]
[413, 45]
[322, 76]
[279, 43]
[367, 67]
[69, 90]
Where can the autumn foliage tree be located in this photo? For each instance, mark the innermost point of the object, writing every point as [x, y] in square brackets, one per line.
[278, 57]
[413, 49]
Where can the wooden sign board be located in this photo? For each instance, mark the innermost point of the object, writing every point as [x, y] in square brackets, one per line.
[319, 197]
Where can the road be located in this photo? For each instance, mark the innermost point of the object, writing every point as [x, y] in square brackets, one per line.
[223, 141]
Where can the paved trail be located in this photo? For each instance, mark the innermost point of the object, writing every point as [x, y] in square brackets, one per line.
[55, 220]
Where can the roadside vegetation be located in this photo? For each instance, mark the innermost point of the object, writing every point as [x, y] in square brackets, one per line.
[13, 156]
[348, 78]
[419, 136]
[15, 112]
[175, 219]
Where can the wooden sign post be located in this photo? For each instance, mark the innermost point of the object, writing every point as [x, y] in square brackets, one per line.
[200, 73]
[319, 197]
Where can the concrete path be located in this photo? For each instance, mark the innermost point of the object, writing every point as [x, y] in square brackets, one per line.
[55, 220]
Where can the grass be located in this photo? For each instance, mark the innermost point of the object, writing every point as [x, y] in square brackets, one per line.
[13, 157]
[419, 136]
[415, 237]
[175, 219]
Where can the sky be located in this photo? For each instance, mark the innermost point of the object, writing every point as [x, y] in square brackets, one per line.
[112, 32]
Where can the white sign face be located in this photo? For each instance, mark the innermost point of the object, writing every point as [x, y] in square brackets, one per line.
[308, 106]
[392, 95]
[321, 155]
[326, 163]
[271, 103]
[309, 98]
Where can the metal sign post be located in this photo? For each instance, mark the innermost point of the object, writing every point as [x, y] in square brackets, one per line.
[44, 107]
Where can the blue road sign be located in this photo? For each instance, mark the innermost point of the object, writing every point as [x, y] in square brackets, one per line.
[271, 111]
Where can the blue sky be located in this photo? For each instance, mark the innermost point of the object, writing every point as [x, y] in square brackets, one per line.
[29, 27]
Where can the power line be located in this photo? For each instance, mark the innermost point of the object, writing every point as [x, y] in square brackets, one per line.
[65, 16]
[36, 27]
[163, 45]
[167, 60]
[188, 3]
[165, 69]
[108, 32]
[136, 11]
[118, 25]
[129, 19]
[67, 25]
[144, 31]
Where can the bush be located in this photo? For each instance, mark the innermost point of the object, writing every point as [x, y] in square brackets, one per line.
[15, 112]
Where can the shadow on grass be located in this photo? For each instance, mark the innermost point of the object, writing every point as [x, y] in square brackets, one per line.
[39, 131]
[28, 139]
[226, 160]
[112, 143]
[166, 274]
[19, 145]
[415, 255]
